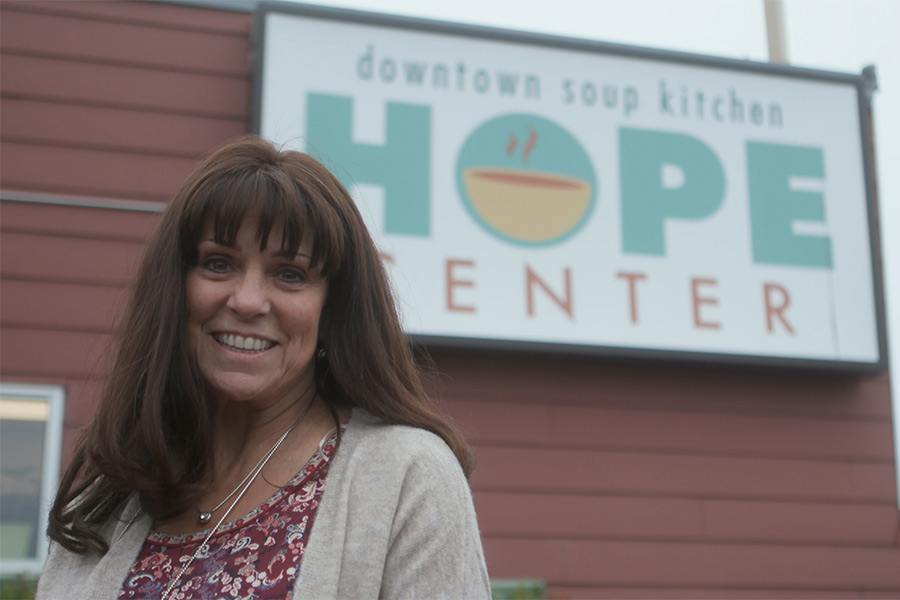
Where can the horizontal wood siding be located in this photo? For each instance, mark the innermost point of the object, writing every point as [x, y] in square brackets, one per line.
[692, 519]
[61, 306]
[65, 272]
[678, 565]
[120, 86]
[623, 479]
[117, 99]
[813, 437]
[77, 221]
[100, 128]
[606, 478]
[49, 32]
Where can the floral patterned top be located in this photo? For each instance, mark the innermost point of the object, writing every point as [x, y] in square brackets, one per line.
[255, 556]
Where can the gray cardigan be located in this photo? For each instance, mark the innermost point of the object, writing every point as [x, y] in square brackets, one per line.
[396, 521]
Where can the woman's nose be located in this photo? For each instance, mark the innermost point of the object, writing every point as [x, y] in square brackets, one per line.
[249, 297]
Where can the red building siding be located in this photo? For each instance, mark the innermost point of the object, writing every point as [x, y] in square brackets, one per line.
[606, 478]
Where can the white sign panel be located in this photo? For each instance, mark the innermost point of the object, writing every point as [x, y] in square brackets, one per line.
[554, 192]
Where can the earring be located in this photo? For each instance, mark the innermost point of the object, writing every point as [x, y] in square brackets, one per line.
[320, 354]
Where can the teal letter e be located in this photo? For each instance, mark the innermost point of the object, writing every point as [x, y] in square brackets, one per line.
[774, 206]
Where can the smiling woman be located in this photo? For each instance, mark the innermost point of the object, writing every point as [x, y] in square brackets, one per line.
[253, 316]
[262, 383]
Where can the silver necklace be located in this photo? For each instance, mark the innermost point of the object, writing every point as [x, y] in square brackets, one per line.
[251, 477]
[206, 515]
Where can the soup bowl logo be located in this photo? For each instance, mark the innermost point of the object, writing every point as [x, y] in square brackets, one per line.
[526, 180]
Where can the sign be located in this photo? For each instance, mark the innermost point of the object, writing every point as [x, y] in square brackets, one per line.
[576, 195]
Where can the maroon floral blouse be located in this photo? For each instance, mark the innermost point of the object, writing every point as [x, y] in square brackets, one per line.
[256, 556]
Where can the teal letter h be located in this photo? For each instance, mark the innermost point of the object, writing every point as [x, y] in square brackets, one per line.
[402, 166]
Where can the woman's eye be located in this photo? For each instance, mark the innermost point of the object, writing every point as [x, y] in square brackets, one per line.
[216, 264]
[291, 275]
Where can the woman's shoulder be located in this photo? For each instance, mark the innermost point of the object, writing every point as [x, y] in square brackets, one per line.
[398, 450]
[401, 506]
[370, 432]
[401, 470]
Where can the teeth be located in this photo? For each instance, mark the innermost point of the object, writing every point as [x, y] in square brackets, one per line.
[243, 343]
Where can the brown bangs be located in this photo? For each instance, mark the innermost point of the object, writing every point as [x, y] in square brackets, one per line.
[288, 194]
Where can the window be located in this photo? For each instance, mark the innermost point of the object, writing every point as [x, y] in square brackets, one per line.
[31, 419]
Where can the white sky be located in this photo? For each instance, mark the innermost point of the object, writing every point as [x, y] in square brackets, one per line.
[835, 35]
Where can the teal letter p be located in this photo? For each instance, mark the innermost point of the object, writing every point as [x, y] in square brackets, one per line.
[402, 166]
[647, 202]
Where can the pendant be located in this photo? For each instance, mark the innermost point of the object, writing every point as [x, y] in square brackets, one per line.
[204, 517]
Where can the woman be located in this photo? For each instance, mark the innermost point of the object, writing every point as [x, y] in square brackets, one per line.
[264, 432]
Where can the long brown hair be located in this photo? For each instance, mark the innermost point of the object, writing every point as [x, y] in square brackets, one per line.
[152, 432]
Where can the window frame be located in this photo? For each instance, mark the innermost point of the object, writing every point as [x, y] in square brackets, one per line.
[54, 396]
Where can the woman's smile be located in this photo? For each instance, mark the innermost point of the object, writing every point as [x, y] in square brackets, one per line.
[247, 344]
[253, 315]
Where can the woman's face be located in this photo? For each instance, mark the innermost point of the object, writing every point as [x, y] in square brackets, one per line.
[253, 316]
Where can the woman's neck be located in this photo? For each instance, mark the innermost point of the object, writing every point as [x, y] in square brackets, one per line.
[243, 433]
[238, 449]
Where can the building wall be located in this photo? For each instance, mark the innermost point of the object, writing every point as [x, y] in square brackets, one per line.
[606, 478]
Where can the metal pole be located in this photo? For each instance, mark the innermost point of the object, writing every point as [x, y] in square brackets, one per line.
[775, 31]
